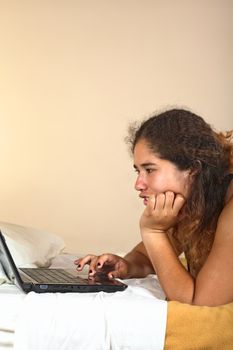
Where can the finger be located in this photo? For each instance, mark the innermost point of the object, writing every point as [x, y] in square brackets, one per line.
[83, 261]
[105, 259]
[76, 262]
[92, 267]
[169, 199]
[160, 202]
[151, 203]
[113, 274]
[178, 203]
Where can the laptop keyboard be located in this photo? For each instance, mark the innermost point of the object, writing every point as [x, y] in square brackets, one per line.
[52, 276]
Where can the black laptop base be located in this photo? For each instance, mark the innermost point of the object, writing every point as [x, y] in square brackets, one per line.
[45, 288]
[71, 284]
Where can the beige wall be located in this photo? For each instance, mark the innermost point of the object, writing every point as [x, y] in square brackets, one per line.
[73, 74]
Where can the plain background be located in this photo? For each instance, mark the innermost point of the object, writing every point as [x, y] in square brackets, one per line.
[73, 75]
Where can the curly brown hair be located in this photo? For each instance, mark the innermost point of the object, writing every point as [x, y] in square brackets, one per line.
[186, 140]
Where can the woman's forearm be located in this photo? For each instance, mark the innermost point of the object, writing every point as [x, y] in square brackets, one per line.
[140, 264]
[176, 282]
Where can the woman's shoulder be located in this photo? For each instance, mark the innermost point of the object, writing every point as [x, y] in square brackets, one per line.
[225, 221]
[229, 192]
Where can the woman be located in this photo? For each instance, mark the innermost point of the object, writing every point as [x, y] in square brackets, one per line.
[184, 178]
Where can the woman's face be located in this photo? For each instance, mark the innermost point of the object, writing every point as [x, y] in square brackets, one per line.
[156, 175]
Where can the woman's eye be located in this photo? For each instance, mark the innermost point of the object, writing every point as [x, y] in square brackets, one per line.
[149, 170]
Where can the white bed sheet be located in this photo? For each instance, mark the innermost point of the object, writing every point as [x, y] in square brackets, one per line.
[11, 299]
[133, 315]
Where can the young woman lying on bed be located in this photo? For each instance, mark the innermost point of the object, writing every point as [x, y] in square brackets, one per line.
[184, 172]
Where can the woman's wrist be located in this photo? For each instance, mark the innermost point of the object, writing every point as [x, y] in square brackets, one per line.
[138, 265]
[154, 238]
[147, 231]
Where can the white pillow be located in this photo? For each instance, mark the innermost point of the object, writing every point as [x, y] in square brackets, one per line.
[30, 246]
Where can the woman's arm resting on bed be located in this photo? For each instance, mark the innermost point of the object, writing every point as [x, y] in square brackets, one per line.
[214, 283]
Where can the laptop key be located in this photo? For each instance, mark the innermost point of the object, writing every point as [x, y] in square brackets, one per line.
[52, 276]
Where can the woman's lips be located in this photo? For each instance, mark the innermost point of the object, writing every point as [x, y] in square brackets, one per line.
[145, 199]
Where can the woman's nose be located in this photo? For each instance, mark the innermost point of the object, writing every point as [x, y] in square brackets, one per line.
[140, 183]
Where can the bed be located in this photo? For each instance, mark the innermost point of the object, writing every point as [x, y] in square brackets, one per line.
[138, 318]
[91, 320]
[133, 319]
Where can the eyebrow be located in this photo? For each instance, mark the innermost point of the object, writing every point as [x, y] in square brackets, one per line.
[144, 165]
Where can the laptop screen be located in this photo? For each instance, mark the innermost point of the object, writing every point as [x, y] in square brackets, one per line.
[7, 262]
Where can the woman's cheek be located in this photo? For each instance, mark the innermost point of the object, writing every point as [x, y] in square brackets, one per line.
[158, 185]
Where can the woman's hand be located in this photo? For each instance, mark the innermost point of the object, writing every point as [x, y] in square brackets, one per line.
[108, 264]
[161, 212]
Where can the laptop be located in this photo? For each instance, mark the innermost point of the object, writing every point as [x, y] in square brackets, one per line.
[44, 280]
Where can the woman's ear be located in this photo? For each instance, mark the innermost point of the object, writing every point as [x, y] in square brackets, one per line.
[195, 168]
